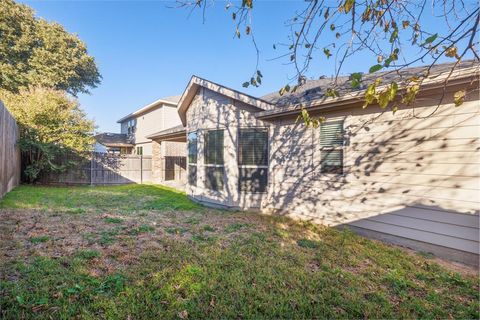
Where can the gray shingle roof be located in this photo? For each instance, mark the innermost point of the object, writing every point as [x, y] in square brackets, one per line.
[316, 89]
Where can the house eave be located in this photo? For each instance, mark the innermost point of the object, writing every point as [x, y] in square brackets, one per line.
[438, 82]
[149, 107]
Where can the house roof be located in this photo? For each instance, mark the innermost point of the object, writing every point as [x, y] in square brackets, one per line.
[171, 100]
[312, 93]
[113, 139]
[169, 134]
[197, 82]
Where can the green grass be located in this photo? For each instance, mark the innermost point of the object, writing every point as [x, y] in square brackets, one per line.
[78, 200]
[39, 239]
[247, 266]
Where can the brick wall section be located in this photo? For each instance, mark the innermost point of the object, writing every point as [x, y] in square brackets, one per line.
[156, 162]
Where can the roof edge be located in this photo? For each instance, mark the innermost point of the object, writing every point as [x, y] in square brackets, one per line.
[147, 108]
[436, 81]
[196, 82]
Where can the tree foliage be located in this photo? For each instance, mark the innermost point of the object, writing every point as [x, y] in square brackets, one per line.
[51, 125]
[391, 34]
[34, 52]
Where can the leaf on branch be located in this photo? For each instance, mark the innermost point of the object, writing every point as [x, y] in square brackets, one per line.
[284, 90]
[234, 16]
[430, 39]
[394, 109]
[451, 52]
[337, 35]
[394, 35]
[237, 33]
[246, 84]
[356, 79]
[405, 24]
[274, 47]
[247, 30]
[307, 45]
[375, 68]
[247, 3]
[459, 97]
[331, 93]
[332, 27]
[348, 5]
[326, 51]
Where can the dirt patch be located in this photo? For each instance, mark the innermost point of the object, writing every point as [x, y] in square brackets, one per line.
[117, 239]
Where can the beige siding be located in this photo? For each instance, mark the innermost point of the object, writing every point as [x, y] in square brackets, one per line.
[414, 175]
[210, 110]
[155, 120]
[407, 175]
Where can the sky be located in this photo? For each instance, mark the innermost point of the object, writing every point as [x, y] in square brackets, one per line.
[146, 50]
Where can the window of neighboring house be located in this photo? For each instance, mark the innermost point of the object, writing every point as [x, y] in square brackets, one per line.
[214, 166]
[131, 126]
[332, 147]
[140, 151]
[192, 158]
[253, 160]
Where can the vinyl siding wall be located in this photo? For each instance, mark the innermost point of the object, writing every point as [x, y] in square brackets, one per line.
[413, 175]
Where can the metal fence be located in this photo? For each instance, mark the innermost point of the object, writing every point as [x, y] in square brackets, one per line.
[9, 152]
[102, 169]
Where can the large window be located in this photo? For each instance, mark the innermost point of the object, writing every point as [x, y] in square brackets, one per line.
[253, 160]
[214, 168]
[192, 158]
[140, 151]
[332, 144]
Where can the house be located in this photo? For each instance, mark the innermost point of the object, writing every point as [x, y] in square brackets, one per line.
[158, 115]
[115, 143]
[410, 177]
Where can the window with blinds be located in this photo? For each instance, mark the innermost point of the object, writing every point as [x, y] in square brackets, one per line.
[332, 145]
[213, 153]
[192, 158]
[214, 147]
[253, 160]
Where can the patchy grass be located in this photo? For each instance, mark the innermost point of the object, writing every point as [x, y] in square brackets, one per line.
[39, 239]
[164, 262]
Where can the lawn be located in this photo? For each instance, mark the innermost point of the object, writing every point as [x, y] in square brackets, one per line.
[145, 251]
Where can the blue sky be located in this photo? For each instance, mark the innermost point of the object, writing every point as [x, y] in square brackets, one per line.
[146, 50]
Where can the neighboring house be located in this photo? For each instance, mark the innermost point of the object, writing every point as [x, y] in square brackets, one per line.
[115, 143]
[411, 178]
[158, 115]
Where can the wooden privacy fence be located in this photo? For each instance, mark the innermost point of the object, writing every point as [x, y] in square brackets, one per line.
[9, 152]
[103, 169]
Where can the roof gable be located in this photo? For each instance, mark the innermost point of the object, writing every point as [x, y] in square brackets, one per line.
[196, 82]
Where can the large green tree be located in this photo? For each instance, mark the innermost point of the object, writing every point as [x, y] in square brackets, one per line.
[35, 52]
[52, 125]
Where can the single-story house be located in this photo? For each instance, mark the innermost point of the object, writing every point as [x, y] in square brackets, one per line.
[411, 177]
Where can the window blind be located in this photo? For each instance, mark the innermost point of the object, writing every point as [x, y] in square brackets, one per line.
[332, 142]
[214, 147]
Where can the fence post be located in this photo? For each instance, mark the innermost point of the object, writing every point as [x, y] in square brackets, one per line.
[141, 169]
[91, 169]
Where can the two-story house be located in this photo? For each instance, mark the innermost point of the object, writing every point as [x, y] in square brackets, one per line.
[156, 116]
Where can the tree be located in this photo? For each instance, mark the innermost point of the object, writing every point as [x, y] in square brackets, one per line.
[391, 33]
[34, 52]
[51, 124]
